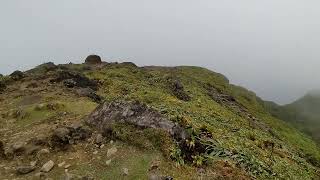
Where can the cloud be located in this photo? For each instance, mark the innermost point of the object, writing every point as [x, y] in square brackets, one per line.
[269, 47]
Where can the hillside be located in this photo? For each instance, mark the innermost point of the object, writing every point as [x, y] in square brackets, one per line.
[304, 114]
[119, 121]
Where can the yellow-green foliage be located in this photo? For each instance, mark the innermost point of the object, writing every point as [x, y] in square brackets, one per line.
[149, 85]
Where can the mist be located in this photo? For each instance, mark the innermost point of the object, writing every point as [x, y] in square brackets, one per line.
[269, 47]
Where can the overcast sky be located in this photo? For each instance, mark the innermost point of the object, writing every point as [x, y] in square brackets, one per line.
[271, 47]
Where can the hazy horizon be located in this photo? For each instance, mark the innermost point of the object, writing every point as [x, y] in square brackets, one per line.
[268, 47]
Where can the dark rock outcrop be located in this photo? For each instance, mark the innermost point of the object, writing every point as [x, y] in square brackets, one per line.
[88, 92]
[49, 66]
[177, 89]
[64, 136]
[133, 113]
[17, 75]
[73, 79]
[2, 150]
[93, 59]
[3, 86]
[129, 64]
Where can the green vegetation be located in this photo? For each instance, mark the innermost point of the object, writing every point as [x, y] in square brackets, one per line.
[227, 123]
[304, 114]
[149, 85]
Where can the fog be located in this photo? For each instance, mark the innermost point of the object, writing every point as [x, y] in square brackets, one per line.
[271, 47]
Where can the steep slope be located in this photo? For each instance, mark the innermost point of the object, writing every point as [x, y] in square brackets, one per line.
[228, 133]
[303, 114]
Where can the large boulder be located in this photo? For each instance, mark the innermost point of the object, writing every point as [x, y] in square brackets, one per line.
[133, 113]
[93, 59]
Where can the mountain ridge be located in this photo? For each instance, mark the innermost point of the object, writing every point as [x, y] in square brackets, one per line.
[224, 130]
[303, 113]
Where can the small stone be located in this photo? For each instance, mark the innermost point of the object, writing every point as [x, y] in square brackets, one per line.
[40, 107]
[95, 152]
[62, 134]
[25, 169]
[62, 164]
[18, 147]
[125, 171]
[201, 171]
[102, 146]
[68, 176]
[154, 177]
[40, 175]
[33, 163]
[154, 166]
[168, 178]
[44, 151]
[47, 166]
[111, 142]
[67, 166]
[112, 151]
[108, 162]
[31, 149]
[99, 139]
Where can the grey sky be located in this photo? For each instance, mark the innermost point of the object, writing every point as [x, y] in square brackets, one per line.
[270, 47]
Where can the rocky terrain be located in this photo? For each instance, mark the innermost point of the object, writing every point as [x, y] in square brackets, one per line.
[108, 120]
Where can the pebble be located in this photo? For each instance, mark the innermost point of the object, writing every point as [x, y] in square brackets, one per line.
[112, 151]
[99, 139]
[95, 152]
[40, 175]
[43, 151]
[62, 164]
[25, 169]
[125, 171]
[33, 163]
[108, 162]
[47, 166]
[18, 147]
[155, 177]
